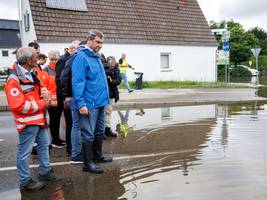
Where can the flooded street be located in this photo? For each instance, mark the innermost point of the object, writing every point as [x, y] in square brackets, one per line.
[189, 152]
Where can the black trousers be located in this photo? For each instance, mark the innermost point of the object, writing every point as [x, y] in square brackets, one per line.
[54, 123]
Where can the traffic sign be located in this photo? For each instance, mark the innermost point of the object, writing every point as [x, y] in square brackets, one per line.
[226, 35]
[256, 51]
[226, 46]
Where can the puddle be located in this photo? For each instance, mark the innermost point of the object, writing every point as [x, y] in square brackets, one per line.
[189, 152]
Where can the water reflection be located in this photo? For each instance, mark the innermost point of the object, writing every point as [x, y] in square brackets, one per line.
[190, 152]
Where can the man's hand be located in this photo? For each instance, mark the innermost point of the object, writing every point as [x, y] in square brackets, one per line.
[47, 102]
[45, 94]
[65, 103]
[84, 110]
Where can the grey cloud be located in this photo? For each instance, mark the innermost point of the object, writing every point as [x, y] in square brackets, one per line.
[243, 8]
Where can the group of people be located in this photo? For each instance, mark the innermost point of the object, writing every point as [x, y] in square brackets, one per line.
[83, 85]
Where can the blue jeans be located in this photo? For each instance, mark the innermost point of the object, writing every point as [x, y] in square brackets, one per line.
[93, 125]
[27, 137]
[76, 130]
[125, 81]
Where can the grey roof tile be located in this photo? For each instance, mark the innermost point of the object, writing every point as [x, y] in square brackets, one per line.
[125, 21]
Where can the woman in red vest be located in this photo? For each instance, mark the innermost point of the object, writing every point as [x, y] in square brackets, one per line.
[54, 110]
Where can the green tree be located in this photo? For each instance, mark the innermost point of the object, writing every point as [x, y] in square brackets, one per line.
[261, 34]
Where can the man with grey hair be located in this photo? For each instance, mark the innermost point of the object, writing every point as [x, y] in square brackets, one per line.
[90, 92]
[27, 103]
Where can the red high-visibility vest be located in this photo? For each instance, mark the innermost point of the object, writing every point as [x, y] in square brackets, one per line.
[24, 100]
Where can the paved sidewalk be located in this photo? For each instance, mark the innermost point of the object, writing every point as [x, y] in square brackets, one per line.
[173, 97]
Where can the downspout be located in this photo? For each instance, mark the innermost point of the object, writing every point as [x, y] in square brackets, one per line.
[19, 3]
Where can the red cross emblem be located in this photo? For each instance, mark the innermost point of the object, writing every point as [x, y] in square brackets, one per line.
[14, 92]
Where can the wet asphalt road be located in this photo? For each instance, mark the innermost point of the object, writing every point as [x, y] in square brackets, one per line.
[188, 152]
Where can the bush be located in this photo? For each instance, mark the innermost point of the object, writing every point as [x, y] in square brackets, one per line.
[235, 71]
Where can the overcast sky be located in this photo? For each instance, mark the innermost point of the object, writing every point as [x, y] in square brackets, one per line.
[249, 13]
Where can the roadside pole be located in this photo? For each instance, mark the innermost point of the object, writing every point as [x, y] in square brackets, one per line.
[226, 49]
[256, 52]
[223, 56]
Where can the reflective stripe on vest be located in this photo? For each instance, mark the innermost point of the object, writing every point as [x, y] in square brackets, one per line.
[26, 108]
[31, 118]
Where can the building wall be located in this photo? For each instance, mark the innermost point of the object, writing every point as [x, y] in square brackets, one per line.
[7, 61]
[193, 63]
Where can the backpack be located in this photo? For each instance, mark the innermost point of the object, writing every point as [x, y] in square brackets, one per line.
[65, 78]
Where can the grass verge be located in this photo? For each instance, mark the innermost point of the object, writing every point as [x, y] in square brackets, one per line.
[186, 84]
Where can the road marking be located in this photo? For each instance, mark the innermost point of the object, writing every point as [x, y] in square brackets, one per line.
[1, 140]
[3, 169]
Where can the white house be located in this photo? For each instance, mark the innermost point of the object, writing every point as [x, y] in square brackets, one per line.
[166, 40]
[9, 42]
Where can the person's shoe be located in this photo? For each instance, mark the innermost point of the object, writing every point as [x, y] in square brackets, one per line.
[57, 144]
[130, 91]
[76, 160]
[93, 168]
[103, 159]
[32, 185]
[109, 132]
[49, 176]
[88, 164]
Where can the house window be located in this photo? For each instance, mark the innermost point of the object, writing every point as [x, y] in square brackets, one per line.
[5, 53]
[165, 61]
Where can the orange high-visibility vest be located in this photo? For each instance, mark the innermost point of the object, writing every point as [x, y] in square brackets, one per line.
[42, 76]
[52, 86]
[24, 100]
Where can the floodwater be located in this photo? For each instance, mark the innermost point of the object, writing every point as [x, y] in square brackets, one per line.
[189, 152]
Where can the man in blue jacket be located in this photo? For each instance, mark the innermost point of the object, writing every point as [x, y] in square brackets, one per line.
[90, 92]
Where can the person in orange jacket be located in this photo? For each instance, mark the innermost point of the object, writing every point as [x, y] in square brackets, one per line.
[27, 103]
[54, 110]
[42, 77]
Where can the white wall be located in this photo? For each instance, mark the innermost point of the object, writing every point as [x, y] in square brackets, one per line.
[188, 62]
[29, 36]
[7, 61]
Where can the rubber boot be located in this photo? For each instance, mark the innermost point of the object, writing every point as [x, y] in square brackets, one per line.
[88, 164]
[97, 150]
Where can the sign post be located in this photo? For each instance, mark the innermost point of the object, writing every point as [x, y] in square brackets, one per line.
[226, 49]
[256, 52]
[223, 56]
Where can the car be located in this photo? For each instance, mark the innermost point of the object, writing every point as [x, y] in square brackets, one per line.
[253, 72]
